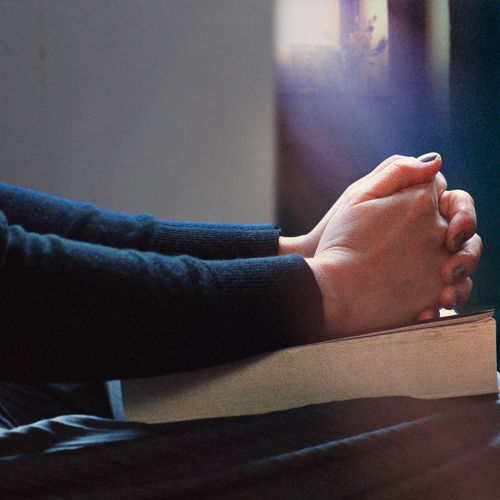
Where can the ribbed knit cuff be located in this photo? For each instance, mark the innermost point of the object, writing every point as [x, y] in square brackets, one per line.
[216, 241]
[268, 303]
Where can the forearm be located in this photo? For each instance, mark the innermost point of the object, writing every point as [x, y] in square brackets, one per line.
[46, 214]
[73, 311]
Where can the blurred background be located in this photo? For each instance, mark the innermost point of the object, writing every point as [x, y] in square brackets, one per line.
[359, 80]
[249, 110]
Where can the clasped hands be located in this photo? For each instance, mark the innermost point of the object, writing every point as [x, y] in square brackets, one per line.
[394, 248]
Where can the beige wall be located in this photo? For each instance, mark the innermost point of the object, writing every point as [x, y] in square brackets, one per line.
[163, 106]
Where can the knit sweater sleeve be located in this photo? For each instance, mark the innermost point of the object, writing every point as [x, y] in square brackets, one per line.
[47, 214]
[72, 310]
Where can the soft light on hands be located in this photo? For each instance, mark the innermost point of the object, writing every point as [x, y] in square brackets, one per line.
[453, 218]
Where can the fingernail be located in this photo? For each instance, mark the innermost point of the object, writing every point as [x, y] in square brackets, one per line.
[428, 157]
[459, 274]
[459, 240]
[458, 299]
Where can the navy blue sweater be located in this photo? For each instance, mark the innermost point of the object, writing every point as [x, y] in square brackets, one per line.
[86, 293]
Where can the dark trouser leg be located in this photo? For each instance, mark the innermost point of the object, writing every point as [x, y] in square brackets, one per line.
[22, 404]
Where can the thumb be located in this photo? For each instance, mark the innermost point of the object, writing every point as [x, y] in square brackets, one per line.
[403, 173]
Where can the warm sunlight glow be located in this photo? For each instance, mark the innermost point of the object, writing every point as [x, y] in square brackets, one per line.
[370, 8]
[306, 23]
[438, 33]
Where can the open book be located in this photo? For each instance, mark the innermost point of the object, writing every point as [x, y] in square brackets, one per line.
[452, 356]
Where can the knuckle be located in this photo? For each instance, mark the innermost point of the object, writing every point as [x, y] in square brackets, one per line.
[440, 181]
[441, 228]
[404, 164]
[464, 204]
[480, 243]
[465, 196]
[468, 258]
[395, 158]
[435, 234]
[352, 193]
[470, 284]
[424, 199]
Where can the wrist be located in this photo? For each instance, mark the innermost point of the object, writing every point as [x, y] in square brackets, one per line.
[295, 244]
[334, 312]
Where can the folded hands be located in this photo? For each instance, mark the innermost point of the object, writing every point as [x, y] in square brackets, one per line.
[395, 247]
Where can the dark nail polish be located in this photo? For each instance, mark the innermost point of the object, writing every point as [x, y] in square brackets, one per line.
[459, 240]
[459, 274]
[427, 158]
